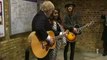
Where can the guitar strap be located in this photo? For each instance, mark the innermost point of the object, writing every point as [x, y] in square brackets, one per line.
[64, 38]
[106, 20]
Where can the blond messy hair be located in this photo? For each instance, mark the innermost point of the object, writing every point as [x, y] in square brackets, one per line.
[47, 6]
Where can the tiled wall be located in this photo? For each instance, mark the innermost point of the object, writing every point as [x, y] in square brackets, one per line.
[12, 47]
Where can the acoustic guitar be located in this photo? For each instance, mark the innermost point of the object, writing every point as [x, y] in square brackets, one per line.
[40, 48]
[72, 36]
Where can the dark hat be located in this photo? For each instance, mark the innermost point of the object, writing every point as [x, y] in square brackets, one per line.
[70, 4]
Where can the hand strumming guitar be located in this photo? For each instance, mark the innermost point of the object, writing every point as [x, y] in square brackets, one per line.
[66, 32]
[50, 40]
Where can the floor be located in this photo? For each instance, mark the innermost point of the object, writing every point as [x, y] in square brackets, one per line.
[81, 56]
[84, 56]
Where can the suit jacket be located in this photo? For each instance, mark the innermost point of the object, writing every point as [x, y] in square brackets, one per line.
[41, 25]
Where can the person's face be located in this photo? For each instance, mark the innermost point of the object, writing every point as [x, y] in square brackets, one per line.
[49, 13]
[55, 13]
[70, 9]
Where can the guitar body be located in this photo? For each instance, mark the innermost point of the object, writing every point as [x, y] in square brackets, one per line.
[39, 47]
[71, 37]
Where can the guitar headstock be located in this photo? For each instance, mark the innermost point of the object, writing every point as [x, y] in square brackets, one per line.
[91, 23]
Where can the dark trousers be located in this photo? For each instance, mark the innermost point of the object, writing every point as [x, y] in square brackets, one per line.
[27, 51]
[72, 50]
[105, 46]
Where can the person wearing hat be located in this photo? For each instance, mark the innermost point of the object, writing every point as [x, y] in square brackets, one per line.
[104, 34]
[71, 19]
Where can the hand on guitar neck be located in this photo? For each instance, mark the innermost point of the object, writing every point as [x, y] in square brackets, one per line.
[76, 31]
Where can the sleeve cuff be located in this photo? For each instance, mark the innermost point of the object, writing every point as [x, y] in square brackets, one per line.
[61, 33]
[48, 38]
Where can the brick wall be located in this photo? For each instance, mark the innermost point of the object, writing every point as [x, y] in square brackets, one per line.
[90, 39]
[13, 48]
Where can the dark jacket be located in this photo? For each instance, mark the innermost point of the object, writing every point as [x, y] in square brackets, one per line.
[41, 25]
[70, 21]
[104, 34]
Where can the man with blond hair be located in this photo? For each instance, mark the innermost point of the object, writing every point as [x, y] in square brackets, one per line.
[41, 24]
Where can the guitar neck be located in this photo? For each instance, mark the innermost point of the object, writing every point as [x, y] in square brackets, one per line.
[60, 36]
[83, 27]
[87, 25]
